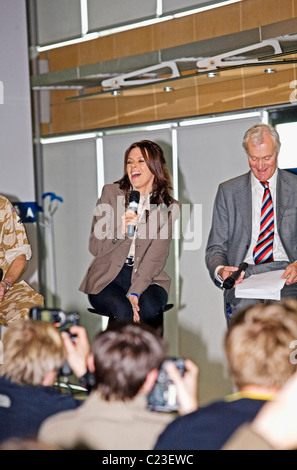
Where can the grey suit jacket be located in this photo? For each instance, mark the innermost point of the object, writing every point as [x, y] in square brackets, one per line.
[110, 248]
[231, 231]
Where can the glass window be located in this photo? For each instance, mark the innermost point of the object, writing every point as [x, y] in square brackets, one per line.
[288, 153]
[58, 20]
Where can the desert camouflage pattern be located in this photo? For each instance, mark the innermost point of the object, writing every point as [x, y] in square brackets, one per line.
[21, 297]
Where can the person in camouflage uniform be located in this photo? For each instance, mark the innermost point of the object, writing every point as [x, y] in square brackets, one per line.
[16, 297]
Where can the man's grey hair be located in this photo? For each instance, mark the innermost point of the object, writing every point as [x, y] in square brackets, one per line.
[256, 134]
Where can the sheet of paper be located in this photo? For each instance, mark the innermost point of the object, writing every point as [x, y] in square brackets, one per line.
[261, 286]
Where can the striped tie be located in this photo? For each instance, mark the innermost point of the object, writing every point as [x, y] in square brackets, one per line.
[263, 251]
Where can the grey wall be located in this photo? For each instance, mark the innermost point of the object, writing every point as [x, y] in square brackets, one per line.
[70, 172]
[17, 168]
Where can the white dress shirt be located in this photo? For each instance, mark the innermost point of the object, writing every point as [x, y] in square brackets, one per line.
[279, 253]
[144, 205]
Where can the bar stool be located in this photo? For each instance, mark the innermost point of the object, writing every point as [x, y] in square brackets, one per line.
[158, 324]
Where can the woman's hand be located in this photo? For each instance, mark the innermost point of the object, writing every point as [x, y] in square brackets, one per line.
[134, 302]
[129, 218]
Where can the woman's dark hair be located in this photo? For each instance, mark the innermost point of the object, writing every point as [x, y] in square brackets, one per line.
[155, 160]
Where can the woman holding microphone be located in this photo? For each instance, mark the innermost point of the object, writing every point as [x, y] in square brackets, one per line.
[130, 239]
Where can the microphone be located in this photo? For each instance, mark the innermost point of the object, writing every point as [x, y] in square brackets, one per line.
[133, 204]
[230, 281]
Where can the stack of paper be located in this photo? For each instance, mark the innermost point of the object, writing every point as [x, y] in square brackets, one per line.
[261, 286]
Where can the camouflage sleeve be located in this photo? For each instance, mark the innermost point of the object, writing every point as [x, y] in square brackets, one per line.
[14, 241]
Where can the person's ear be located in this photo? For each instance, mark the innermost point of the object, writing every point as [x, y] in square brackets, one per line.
[149, 381]
[91, 363]
[49, 378]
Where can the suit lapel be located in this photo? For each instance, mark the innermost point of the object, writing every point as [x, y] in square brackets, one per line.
[283, 193]
[243, 200]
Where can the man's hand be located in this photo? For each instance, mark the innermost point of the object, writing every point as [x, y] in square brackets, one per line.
[226, 271]
[13, 273]
[186, 386]
[290, 274]
[77, 351]
[3, 288]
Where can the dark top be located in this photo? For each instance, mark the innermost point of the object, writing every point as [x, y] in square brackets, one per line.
[210, 426]
[24, 408]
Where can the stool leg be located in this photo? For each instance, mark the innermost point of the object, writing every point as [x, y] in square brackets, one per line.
[159, 323]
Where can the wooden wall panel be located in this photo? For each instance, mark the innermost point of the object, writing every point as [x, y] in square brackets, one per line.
[215, 23]
[174, 32]
[243, 91]
[190, 97]
[220, 97]
[184, 98]
[260, 12]
[269, 89]
[233, 18]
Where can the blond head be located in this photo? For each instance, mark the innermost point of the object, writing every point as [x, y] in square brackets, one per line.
[31, 349]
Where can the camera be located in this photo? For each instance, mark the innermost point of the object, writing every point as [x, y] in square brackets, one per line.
[58, 318]
[163, 396]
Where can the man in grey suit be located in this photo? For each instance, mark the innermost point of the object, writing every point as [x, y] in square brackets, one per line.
[238, 220]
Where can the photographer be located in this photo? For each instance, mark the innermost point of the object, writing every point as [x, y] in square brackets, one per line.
[33, 354]
[258, 351]
[125, 360]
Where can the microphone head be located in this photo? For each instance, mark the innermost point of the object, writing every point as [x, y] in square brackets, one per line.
[134, 196]
[229, 283]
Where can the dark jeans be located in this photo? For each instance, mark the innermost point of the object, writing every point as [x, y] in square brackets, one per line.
[112, 300]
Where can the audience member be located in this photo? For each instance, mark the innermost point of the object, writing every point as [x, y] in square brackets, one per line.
[258, 351]
[25, 444]
[125, 360]
[33, 354]
[275, 426]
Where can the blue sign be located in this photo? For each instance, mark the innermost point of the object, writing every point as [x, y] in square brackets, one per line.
[27, 211]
